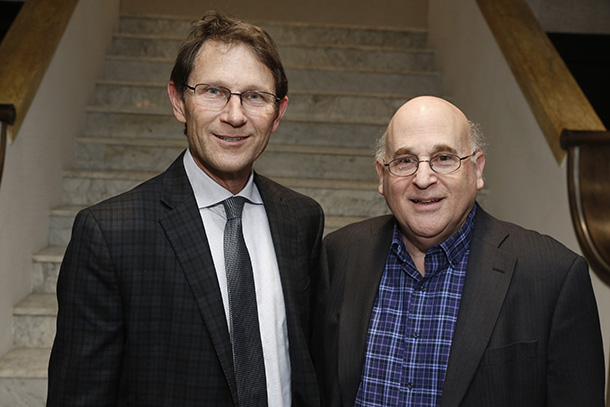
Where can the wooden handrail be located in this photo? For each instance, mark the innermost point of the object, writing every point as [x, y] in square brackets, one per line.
[589, 193]
[551, 91]
[26, 52]
[7, 117]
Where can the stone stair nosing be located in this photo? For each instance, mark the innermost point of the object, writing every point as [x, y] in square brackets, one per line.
[345, 83]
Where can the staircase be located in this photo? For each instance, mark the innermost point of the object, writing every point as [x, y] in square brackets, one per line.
[344, 85]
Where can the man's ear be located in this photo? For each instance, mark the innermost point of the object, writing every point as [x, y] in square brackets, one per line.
[479, 165]
[281, 109]
[380, 173]
[177, 101]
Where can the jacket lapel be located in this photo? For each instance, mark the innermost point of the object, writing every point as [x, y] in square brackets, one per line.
[488, 277]
[185, 232]
[364, 268]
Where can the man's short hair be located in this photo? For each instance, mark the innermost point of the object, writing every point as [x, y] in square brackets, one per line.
[215, 26]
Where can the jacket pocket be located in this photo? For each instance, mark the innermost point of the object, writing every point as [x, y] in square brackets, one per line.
[512, 353]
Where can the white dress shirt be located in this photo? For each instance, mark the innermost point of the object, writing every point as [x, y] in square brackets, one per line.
[269, 294]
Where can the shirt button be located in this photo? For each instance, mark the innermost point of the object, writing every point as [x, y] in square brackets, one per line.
[410, 385]
[415, 335]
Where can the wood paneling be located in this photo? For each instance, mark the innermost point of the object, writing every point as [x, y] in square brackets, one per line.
[553, 95]
[27, 50]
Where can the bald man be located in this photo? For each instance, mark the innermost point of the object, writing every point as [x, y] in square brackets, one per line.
[440, 304]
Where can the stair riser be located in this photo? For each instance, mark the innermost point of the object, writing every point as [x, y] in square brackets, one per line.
[34, 331]
[135, 70]
[45, 276]
[23, 392]
[179, 29]
[353, 58]
[290, 132]
[341, 107]
[336, 201]
[270, 163]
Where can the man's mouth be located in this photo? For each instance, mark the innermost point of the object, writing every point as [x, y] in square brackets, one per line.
[425, 202]
[231, 138]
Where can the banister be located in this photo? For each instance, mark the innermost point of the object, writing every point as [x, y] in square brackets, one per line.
[26, 52]
[7, 117]
[555, 98]
[588, 174]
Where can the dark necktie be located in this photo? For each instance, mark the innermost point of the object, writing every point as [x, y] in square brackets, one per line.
[245, 332]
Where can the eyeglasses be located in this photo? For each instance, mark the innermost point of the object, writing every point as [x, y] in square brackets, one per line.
[443, 163]
[215, 97]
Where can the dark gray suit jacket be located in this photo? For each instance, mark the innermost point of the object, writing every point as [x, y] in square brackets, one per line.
[527, 332]
[141, 320]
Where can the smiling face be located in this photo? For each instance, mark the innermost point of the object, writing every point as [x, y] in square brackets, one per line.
[430, 207]
[226, 143]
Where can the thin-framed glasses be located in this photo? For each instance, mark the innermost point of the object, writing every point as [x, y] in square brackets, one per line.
[216, 97]
[443, 163]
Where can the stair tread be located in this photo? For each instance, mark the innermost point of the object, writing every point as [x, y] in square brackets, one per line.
[285, 43]
[182, 143]
[287, 66]
[53, 254]
[37, 304]
[25, 363]
[289, 117]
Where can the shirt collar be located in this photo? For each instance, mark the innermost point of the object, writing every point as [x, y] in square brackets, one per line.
[208, 192]
[454, 248]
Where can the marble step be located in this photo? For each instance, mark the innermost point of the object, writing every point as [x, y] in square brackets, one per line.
[277, 160]
[62, 219]
[391, 81]
[46, 268]
[337, 197]
[294, 129]
[336, 55]
[179, 27]
[330, 105]
[34, 321]
[343, 202]
[23, 377]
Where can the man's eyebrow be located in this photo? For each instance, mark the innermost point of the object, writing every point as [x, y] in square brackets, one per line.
[436, 149]
[403, 151]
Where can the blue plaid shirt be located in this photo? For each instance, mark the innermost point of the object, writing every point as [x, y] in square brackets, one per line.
[412, 323]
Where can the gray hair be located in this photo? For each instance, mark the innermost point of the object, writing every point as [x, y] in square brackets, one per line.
[477, 139]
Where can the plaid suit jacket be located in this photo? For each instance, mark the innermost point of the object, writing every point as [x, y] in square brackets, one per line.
[141, 320]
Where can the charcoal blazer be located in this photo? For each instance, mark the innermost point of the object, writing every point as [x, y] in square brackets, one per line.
[527, 332]
[141, 320]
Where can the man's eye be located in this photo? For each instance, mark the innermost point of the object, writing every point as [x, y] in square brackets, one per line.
[407, 160]
[212, 91]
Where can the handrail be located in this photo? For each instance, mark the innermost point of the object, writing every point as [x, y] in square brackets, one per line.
[552, 92]
[7, 117]
[589, 193]
[26, 52]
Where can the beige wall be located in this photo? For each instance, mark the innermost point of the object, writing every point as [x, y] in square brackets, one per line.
[31, 183]
[396, 13]
[524, 184]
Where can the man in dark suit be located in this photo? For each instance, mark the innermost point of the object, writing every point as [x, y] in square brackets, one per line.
[440, 304]
[145, 315]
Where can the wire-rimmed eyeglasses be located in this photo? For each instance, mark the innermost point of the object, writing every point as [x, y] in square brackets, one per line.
[444, 163]
[215, 97]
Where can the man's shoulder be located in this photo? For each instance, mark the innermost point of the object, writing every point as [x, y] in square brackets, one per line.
[270, 189]
[145, 195]
[521, 241]
[376, 228]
